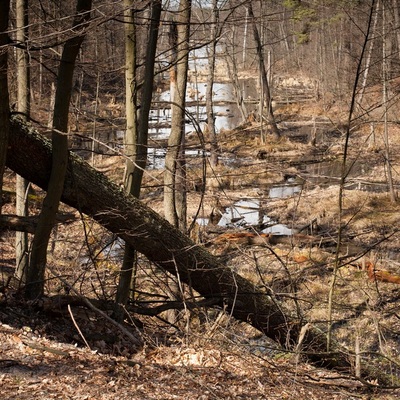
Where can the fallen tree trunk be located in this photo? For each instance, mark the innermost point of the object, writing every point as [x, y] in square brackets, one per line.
[29, 223]
[89, 191]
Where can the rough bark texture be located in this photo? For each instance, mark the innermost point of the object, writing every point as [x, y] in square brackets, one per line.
[4, 101]
[265, 84]
[38, 258]
[131, 143]
[92, 193]
[23, 106]
[174, 175]
[146, 97]
[136, 137]
[210, 83]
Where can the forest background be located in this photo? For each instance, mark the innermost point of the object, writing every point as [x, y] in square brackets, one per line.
[147, 226]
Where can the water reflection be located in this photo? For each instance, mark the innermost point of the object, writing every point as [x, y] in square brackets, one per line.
[156, 156]
[226, 111]
[282, 191]
[243, 212]
[248, 212]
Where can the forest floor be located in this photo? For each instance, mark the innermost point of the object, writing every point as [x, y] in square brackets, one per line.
[73, 353]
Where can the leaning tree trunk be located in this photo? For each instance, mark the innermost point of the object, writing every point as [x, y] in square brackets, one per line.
[92, 193]
[38, 258]
[4, 101]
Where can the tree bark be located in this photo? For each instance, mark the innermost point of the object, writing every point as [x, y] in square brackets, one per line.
[175, 211]
[137, 131]
[23, 106]
[131, 144]
[4, 100]
[210, 84]
[146, 96]
[28, 224]
[264, 76]
[360, 94]
[92, 193]
[38, 258]
[233, 74]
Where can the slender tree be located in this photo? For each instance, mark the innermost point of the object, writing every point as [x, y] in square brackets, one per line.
[174, 198]
[23, 107]
[233, 73]
[266, 95]
[369, 56]
[385, 88]
[4, 100]
[38, 257]
[345, 169]
[175, 174]
[136, 137]
[210, 84]
[126, 273]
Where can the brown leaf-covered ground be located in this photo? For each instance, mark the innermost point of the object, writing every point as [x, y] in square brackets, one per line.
[44, 356]
[35, 367]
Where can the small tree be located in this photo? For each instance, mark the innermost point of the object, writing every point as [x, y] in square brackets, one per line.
[266, 95]
[4, 100]
[136, 137]
[174, 199]
[38, 258]
[23, 106]
[210, 83]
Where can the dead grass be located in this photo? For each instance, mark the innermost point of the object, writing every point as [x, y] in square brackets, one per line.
[206, 354]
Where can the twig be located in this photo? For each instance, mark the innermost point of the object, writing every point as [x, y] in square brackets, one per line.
[300, 340]
[134, 339]
[77, 327]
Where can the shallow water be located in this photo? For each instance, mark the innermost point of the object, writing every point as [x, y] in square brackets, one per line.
[247, 213]
[226, 112]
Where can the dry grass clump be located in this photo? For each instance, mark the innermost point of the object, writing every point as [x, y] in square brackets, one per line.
[314, 204]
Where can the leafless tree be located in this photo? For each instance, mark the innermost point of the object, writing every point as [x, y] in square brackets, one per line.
[174, 196]
[38, 257]
[136, 137]
[23, 107]
[4, 99]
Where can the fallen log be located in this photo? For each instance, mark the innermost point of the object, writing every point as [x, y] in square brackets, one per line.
[90, 192]
[28, 223]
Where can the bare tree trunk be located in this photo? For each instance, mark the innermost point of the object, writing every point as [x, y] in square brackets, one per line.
[369, 56]
[131, 136]
[4, 100]
[385, 71]
[137, 131]
[23, 106]
[233, 73]
[264, 76]
[396, 13]
[176, 139]
[37, 264]
[344, 174]
[210, 84]
[175, 167]
[146, 96]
